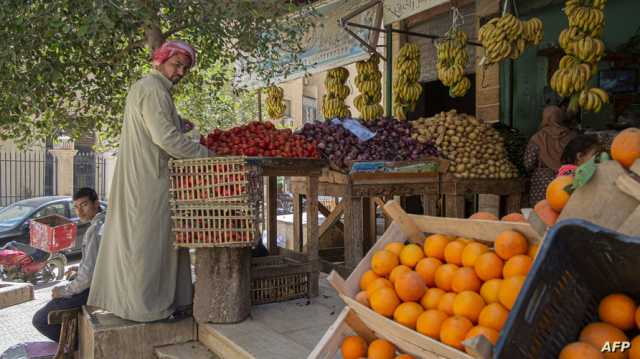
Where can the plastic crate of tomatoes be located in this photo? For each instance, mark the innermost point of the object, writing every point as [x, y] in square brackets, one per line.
[215, 201]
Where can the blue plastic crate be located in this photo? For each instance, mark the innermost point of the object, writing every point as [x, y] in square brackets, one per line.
[578, 264]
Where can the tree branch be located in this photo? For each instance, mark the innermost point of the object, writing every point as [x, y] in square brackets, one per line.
[171, 32]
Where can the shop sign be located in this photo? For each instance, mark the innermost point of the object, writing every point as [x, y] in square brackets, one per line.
[396, 10]
[327, 45]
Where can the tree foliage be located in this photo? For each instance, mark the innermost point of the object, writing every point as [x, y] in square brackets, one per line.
[66, 65]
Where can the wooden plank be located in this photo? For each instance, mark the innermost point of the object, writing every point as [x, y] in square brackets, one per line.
[297, 221]
[430, 204]
[330, 219]
[394, 189]
[357, 233]
[326, 213]
[220, 344]
[407, 225]
[368, 223]
[349, 245]
[514, 203]
[280, 166]
[346, 324]
[452, 185]
[454, 205]
[393, 177]
[313, 241]
[332, 339]
[476, 229]
[272, 216]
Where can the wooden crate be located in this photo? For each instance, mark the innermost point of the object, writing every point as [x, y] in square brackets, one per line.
[349, 323]
[278, 278]
[484, 231]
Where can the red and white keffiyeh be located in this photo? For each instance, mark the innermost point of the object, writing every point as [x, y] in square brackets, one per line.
[170, 48]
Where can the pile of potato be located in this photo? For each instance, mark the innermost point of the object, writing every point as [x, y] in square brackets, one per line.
[475, 149]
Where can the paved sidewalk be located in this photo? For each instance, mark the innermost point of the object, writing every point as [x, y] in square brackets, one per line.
[15, 321]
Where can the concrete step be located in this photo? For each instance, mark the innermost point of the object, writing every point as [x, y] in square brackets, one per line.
[14, 293]
[287, 330]
[103, 335]
[190, 350]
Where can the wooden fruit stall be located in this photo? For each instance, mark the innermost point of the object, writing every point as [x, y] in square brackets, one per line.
[361, 194]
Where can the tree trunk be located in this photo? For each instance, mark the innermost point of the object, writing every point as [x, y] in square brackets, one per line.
[153, 35]
[223, 285]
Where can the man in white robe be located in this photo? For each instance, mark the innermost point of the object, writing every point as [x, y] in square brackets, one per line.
[139, 275]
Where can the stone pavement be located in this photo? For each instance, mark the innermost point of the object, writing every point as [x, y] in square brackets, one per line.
[15, 321]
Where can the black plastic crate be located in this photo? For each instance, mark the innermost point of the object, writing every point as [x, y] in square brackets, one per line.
[578, 264]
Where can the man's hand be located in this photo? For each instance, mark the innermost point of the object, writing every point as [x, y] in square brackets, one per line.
[71, 272]
[188, 126]
[56, 292]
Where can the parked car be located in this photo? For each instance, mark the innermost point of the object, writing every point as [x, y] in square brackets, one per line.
[15, 218]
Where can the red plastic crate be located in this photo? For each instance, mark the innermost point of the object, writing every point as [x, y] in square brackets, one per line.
[52, 233]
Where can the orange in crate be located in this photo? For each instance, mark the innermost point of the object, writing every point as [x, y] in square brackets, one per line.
[52, 233]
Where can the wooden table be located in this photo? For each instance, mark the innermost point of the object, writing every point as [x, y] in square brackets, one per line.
[309, 170]
[361, 194]
[454, 190]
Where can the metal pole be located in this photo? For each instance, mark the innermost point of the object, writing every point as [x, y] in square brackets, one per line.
[417, 34]
[389, 77]
[260, 105]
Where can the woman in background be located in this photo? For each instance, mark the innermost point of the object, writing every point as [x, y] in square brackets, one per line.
[542, 158]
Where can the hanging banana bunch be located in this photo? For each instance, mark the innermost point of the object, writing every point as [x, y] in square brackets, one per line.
[452, 59]
[368, 82]
[507, 37]
[406, 88]
[584, 49]
[275, 106]
[333, 102]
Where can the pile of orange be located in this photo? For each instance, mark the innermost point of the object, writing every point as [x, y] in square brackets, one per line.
[449, 288]
[618, 314]
[355, 347]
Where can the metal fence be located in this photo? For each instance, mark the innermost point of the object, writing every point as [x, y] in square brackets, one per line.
[26, 174]
[89, 171]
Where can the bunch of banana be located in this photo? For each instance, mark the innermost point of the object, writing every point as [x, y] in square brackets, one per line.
[592, 99]
[570, 5]
[587, 49]
[571, 78]
[333, 102]
[507, 37]
[275, 106]
[452, 58]
[368, 83]
[584, 49]
[406, 88]
[586, 16]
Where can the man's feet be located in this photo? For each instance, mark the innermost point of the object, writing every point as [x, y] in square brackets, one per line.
[180, 314]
